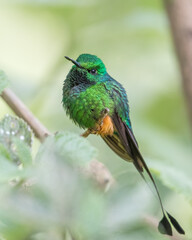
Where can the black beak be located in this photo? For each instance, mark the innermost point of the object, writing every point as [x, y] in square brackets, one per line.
[73, 61]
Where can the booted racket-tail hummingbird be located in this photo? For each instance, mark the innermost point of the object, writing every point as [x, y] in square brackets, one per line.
[98, 103]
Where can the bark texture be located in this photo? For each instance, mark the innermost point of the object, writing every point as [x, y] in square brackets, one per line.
[180, 16]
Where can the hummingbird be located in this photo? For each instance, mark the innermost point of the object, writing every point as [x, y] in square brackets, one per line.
[98, 103]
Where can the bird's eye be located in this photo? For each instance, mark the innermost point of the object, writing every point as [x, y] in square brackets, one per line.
[93, 71]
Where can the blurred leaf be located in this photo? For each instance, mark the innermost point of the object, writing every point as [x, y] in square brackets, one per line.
[57, 157]
[71, 147]
[174, 178]
[75, 148]
[8, 170]
[23, 152]
[3, 81]
[17, 127]
[13, 131]
[61, 195]
[4, 152]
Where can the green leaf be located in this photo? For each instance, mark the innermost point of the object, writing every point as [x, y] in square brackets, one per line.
[70, 147]
[4, 152]
[14, 131]
[61, 182]
[8, 170]
[3, 81]
[174, 178]
[75, 148]
[23, 152]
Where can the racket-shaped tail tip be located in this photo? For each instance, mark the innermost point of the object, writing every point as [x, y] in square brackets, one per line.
[176, 224]
[165, 227]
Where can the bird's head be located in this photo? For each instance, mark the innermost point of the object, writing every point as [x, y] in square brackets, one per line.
[88, 67]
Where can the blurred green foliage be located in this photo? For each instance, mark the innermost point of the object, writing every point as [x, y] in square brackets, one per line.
[133, 39]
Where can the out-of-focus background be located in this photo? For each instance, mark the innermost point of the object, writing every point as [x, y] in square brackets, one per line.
[133, 39]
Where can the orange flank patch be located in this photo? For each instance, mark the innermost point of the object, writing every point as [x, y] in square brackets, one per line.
[107, 127]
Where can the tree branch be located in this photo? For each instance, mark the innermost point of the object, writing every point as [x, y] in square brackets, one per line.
[180, 16]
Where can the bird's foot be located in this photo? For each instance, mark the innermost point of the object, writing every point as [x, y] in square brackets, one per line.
[98, 126]
[86, 133]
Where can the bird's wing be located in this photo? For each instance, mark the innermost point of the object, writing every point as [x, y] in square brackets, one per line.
[116, 143]
[127, 143]
[122, 142]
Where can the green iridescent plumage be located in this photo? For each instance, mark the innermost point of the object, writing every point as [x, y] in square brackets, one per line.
[85, 95]
[88, 92]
